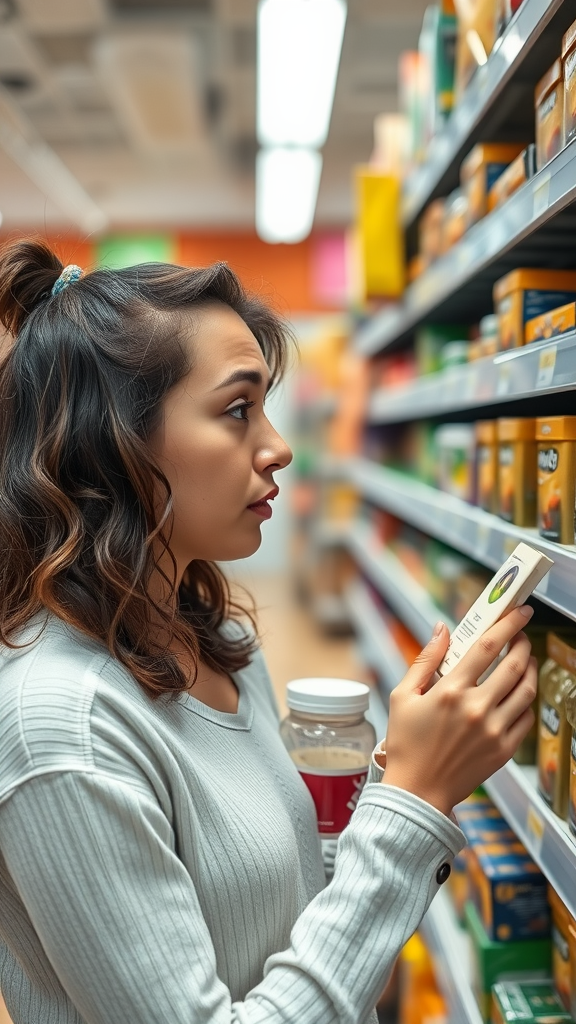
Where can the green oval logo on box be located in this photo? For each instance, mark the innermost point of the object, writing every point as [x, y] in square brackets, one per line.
[503, 584]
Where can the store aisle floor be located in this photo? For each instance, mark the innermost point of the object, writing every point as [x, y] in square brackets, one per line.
[294, 646]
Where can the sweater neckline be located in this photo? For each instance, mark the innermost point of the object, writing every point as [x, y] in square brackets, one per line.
[241, 720]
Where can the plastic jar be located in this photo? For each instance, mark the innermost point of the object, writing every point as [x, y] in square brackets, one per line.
[556, 438]
[331, 744]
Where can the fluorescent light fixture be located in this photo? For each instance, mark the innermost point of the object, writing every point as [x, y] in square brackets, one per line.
[299, 44]
[286, 190]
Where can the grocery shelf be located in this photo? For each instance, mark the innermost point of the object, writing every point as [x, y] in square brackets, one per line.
[485, 537]
[544, 368]
[377, 645]
[451, 952]
[404, 595]
[534, 226]
[545, 836]
[513, 789]
[520, 57]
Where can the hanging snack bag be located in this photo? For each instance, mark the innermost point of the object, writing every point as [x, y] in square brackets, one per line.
[517, 459]
[556, 439]
[557, 684]
[569, 69]
[549, 105]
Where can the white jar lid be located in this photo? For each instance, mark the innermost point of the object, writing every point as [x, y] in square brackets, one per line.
[327, 696]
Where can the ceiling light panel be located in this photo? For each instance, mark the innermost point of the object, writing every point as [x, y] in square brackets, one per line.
[56, 16]
[152, 81]
[299, 44]
[287, 183]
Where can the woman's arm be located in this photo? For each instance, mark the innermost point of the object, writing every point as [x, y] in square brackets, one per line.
[121, 924]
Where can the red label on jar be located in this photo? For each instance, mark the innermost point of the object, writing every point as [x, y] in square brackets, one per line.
[335, 797]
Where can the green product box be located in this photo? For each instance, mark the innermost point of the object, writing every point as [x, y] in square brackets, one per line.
[430, 341]
[531, 1002]
[495, 961]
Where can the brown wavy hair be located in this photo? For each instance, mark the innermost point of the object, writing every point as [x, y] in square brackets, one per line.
[82, 379]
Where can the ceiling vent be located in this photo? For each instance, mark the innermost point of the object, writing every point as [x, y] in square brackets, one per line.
[161, 7]
[153, 83]
[52, 17]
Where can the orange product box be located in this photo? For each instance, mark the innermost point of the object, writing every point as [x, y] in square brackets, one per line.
[556, 439]
[562, 949]
[549, 107]
[519, 171]
[551, 325]
[524, 294]
[517, 471]
[487, 465]
[430, 230]
[569, 74]
[479, 172]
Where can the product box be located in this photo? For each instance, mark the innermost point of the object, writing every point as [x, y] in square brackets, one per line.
[529, 1002]
[569, 73]
[430, 228]
[429, 341]
[556, 440]
[487, 465]
[380, 237]
[475, 39]
[551, 325]
[524, 294]
[480, 170]
[563, 967]
[455, 446]
[455, 218]
[516, 174]
[437, 43]
[496, 961]
[509, 892]
[557, 688]
[549, 107]
[517, 475]
[509, 588]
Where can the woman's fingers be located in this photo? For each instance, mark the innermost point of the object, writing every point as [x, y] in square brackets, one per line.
[520, 697]
[419, 676]
[518, 731]
[488, 646]
[509, 671]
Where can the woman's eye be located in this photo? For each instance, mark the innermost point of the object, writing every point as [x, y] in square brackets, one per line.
[240, 412]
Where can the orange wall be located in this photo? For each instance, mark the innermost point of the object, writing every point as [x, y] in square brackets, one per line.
[282, 274]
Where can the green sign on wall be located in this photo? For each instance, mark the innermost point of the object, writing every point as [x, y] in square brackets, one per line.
[116, 251]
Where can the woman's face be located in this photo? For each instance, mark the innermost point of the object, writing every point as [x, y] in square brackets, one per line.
[216, 446]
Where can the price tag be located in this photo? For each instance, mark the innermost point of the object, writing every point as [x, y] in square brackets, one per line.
[546, 364]
[541, 195]
[535, 828]
[503, 382]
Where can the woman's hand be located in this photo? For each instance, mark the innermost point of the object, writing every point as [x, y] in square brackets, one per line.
[445, 738]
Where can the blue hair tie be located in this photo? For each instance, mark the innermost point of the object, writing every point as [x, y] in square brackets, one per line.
[70, 274]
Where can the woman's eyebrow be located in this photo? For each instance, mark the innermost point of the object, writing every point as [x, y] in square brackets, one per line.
[240, 376]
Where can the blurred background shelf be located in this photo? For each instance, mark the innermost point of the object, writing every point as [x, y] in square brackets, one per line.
[450, 948]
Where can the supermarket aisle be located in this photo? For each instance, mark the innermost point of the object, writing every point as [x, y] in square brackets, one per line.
[293, 645]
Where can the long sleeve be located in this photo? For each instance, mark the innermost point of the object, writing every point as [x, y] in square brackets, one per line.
[120, 922]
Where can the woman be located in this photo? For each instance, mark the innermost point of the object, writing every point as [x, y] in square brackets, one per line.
[159, 860]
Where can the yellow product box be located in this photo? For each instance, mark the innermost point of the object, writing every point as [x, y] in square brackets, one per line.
[487, 465]
[380, 237]
[549, 106]
[517, 460]
[562, 951]
[519, 171]
[480, 170]
[557, 686]
[569, 70]
[556, 440]
[525, 294]
[551, 325]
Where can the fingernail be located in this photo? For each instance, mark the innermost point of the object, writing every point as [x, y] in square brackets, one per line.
[437, 630]
[526, 611]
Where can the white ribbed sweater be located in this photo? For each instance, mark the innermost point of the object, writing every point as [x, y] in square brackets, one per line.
[159, 861]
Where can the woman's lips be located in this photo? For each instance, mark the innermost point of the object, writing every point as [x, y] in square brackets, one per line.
[261, 508]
